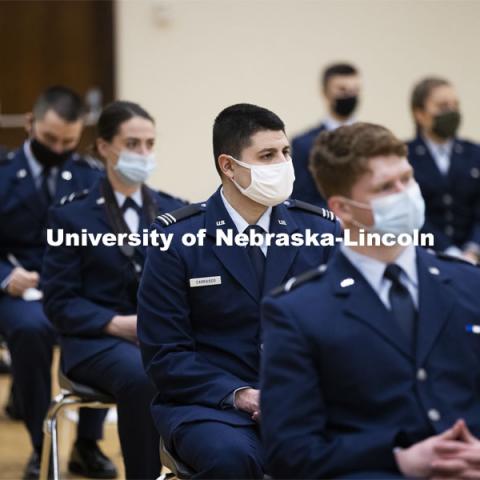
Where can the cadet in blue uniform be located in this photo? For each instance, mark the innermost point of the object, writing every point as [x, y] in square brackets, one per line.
[91, 292]
[199, 327]
[447, 169]
[370, 361]
[341, 89]
[41, 172]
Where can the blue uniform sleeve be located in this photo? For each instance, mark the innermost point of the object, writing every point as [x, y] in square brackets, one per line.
[295, 414]
[64, 304]
[167, 341]
[5, 269]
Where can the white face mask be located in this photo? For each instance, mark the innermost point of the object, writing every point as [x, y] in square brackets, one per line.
[270, 185]
[397, 213]
[134, 168]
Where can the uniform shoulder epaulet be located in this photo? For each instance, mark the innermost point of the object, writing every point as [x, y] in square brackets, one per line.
[166, 219]
[73, 196]
[452, 258]
[308, 207]
[295, 282]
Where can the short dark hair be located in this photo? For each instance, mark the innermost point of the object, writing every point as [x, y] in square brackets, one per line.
[337, 69]
[235, 125]
[66, 103]
[338, 158]
[422, 90]
[116, 113]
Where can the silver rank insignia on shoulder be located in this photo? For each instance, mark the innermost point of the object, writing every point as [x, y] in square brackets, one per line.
[282, 222]
[347, 282]
[67, 175]
[167, 218]
[22, 173]
[220, 222]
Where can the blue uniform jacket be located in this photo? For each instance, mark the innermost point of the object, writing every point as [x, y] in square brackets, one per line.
[304, 187]
[85, 287]
[453, 200]
[200, 343]
[23, 213]
[341, 389]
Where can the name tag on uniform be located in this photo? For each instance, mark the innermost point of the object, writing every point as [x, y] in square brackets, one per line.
[205, 281]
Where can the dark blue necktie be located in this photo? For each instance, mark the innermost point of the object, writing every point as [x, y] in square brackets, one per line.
[130, 203]
[256, 255]
[402, 305]
[44, 187]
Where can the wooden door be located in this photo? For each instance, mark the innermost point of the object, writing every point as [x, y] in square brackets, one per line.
[44, 43]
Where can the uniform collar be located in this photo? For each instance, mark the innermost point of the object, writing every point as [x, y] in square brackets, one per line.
[332, 124]
[239, 221]
[373, 270]
[136, 197]
[439, 149]
[35, 166]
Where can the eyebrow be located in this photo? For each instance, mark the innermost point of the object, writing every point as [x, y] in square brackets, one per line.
[273, 149]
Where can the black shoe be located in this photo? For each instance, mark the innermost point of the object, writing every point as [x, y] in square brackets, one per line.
[32, 470]
[89, 461]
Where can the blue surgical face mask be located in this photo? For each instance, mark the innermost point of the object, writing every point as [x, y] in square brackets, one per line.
[397, 213]
[134, 168]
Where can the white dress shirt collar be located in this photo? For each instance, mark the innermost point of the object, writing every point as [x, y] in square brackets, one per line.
[441, 153]
[240, 222]
[373, 271]
[136, 197]
[332, 124]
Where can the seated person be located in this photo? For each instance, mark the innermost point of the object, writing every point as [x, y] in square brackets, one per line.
[42, 171]
[198, 310]
[371, 364]
[91, 291]
[447, 168]
[340, 87]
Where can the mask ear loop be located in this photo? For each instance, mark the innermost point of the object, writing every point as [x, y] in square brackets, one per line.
[363, 206]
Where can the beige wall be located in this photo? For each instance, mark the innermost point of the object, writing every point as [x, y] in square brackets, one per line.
[186, 60]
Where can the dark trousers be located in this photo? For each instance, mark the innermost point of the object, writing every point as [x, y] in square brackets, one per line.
[119, 372]
[30, 338]
[218, 450]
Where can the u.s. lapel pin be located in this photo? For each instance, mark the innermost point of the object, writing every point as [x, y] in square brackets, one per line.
[220, 223]
[434, 271]
[282, 222]
[347, 282]
[67, 175]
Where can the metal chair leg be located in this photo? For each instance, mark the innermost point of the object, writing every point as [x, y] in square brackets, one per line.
[50, 432]
[50, 437]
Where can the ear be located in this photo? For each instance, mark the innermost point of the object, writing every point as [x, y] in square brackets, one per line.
[225, 164]
[340, 208]
[28, 123]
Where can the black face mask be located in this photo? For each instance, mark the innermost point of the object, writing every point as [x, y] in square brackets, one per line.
[445, 125]
[344, 106]
[48, 158]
